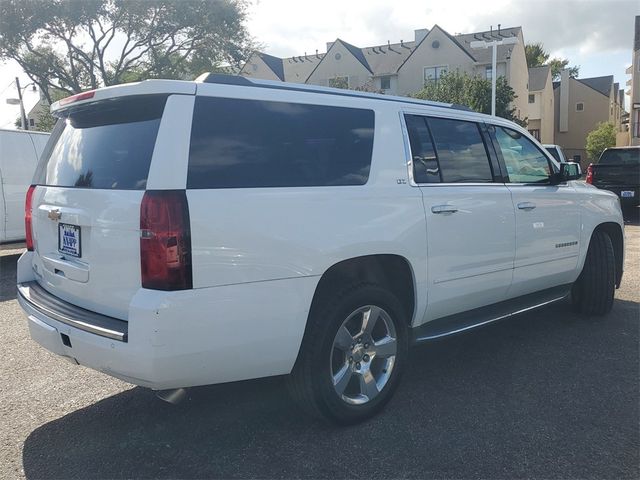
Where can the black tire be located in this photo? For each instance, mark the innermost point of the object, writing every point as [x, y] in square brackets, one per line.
[592, 293]
[310, 382]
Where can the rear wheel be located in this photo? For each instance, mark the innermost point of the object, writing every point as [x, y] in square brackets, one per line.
[593, 292]
[352, 355]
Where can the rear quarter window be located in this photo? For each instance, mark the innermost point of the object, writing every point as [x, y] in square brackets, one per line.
[238, 143]
[103, 145]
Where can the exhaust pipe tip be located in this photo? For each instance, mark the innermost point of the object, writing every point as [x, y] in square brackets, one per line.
[173, 396]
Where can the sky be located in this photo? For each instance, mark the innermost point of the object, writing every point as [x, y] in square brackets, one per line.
[597, 35]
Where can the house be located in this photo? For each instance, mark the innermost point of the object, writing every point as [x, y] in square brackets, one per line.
[540, 112]
[634, 88]
[401, 68]
[580, 105]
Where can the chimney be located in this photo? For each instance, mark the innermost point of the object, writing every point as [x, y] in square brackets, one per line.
[420, 34]
[564, 101]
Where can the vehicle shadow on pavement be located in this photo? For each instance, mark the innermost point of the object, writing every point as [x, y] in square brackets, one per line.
[8, 266]
[546, 394]
[631, 215]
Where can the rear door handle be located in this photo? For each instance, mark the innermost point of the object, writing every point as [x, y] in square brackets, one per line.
[526, 206]
[444, 209]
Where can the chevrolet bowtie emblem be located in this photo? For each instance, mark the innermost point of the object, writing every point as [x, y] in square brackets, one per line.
[54, 214]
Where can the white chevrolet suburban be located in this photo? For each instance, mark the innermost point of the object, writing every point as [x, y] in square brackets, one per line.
[191, 233]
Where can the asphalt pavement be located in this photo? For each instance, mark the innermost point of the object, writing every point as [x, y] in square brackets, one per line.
[548, 394]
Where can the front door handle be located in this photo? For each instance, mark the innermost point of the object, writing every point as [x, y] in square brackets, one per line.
[526, 206]
[444, 209]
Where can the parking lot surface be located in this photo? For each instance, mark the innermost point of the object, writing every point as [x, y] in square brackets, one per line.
[548, 394]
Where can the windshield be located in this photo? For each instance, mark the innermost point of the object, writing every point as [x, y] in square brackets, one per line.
[622, 156]
[103, 145]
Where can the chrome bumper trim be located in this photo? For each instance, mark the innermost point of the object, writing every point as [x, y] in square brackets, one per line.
[36, 297]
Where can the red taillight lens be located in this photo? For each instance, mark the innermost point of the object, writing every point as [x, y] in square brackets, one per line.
[589, 178]
[28, 224]
[78, 97]
[165, 240]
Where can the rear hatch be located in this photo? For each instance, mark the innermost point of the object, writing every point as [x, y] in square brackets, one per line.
[617, 167]
[86, 207]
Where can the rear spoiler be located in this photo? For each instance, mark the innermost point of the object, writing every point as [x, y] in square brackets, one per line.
[146, 87]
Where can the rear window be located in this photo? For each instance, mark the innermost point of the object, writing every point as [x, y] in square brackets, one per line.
[104, 145]
[249, 143]
[621, 156]
[554, 153]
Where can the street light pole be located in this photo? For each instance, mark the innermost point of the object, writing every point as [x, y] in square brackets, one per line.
[494, 47]
[25, 124]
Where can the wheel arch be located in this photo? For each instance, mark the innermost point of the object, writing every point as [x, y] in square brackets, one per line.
[392, 271]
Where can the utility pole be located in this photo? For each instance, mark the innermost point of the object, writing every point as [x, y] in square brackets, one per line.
[25, 124]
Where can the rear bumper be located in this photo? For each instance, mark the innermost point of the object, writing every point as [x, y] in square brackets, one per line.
[618, 189]
[180, 339]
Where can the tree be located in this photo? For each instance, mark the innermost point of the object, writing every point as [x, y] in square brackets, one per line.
[537, 56]
[557, 65]
[76, 45]
[473, 92]
[604, 136]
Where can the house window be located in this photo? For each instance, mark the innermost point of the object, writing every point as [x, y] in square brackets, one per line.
[579, 107]
[532, 98]
[339, 82]
[433, 74]
[488, 72]
[385, 82]
[535, 133]
[32, 123]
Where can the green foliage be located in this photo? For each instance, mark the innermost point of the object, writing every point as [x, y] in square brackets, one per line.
[474, 92]
[339, 82]
[537, 56]
[75, 45]
[46, 121]
[557, 65]
[604, 136]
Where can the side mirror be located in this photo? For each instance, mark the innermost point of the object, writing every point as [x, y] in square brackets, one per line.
[568, 171]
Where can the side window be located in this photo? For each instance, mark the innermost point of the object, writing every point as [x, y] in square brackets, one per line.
[250, 143]
[425, 163]
[524, 162]
[460, 150]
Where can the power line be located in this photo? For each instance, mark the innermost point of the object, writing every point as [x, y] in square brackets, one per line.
[7, 87]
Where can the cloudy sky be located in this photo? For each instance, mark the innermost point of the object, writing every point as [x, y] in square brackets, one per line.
[595, 34]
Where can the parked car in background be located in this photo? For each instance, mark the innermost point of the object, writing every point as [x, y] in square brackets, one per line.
[191, 233]
[618, 170]
[19, 153]
[556, 151]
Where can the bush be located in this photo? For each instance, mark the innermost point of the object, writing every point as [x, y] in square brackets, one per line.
[604, 136]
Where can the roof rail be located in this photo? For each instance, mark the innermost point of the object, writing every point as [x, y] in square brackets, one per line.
[225, 79]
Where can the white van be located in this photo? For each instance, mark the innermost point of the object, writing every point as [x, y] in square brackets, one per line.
[190, 233]
[19, 153]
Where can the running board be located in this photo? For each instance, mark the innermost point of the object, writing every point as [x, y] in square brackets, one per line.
[461, 322]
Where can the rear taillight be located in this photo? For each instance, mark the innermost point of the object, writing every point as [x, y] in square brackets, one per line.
[589, 178]
[28, 224]
[165, 240]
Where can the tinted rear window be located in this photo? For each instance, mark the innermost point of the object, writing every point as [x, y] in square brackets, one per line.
[621, 156]
[554, 152]
[105, 145]
[249, 143]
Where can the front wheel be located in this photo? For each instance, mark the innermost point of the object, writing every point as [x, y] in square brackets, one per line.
[593, 292]
[352, 355]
